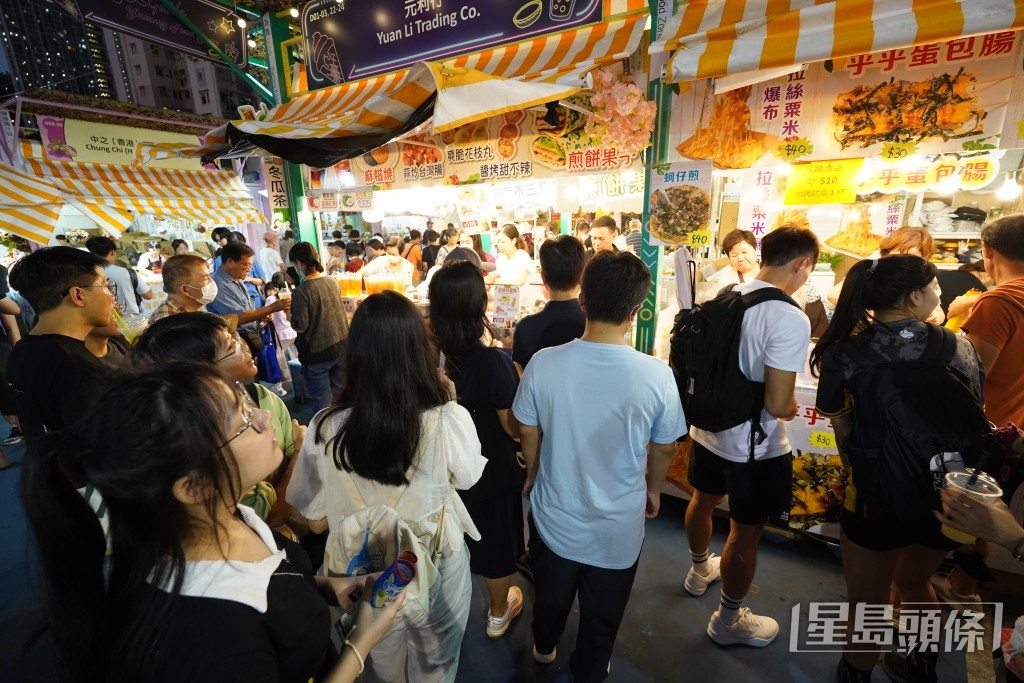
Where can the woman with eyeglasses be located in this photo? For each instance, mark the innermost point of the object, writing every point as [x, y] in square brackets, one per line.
[207, 338]
[196, 587]
[395, 424]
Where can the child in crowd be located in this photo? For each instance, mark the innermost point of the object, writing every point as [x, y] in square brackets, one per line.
[275, 289]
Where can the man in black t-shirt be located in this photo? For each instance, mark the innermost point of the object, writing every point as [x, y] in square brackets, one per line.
[52, 373]
[562, 320]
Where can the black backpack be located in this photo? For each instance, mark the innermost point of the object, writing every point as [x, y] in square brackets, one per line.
[914, 420]
[705, 358]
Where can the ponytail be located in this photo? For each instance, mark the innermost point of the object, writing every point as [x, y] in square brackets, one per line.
[512, 232]
[872, 285]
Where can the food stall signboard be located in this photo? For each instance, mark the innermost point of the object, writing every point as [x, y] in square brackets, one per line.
[347, 40]
[823, 182]
[681, 204]
[153, 22]
[506, 306]
[273, 174]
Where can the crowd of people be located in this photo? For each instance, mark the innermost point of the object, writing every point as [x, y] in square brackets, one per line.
[182, 516]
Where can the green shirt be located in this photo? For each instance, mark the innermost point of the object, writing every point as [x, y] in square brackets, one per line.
[263, 496]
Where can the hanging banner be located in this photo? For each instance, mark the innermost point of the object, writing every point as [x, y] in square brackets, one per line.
[273, 174]
[681, 204]
[151, 21]
[517, 145]
[347, 40]
[936, 98]
[104, 143]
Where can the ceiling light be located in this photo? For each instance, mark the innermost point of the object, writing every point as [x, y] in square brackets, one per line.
[241, 22]
[294, 12]
[1009, 190]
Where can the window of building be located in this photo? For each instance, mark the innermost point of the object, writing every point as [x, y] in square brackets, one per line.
[131, 47]
[142, 90]
[138, 69]
[200, 75]
[163, 91]
[204, 96]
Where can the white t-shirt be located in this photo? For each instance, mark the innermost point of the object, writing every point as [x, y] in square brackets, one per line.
[774, 334]
[383, 266]
[451, 459]
[598, 406]
[270, 261]
[516, 270]
[125, 291]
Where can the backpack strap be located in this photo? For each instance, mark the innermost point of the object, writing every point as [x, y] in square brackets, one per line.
[763, 294]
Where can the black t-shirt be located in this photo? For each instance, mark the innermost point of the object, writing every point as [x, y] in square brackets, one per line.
[53, 378]
[118, 354]
[212, 639]
[430, 254]
[486, 382]
[954, 283]
[559, 323]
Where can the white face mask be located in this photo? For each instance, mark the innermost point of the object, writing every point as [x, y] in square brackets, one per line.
[209, 293]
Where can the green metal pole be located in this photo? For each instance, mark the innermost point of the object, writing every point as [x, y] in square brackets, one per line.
[276, 31]
[187, 23]
[656, 154]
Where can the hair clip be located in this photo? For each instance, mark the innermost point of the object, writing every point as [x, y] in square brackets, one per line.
[871, 269]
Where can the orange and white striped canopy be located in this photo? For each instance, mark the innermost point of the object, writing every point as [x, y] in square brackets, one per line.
[712, 38]
[526, 73]
[111, 196]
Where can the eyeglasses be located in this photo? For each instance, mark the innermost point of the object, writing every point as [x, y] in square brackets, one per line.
[236, 347]
[249, 414]
[110, 285]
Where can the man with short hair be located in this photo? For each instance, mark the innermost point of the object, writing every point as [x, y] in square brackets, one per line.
[996, 324]
[270, 256]
[188, 284]
[604, 232]
[128, 283]
[52, 373]
[429, 252]
[562, 320]
[232, 296]
[413, 253]
[634, 238]
[773, 350]
[600, 467]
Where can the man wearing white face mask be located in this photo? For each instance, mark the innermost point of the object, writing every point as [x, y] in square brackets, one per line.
[391, 264]
[188, 285]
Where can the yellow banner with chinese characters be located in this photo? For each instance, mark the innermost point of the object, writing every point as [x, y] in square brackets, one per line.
[823, 182]
[918, 174]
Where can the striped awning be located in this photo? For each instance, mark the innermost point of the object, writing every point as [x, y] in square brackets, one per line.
[712, 38]
[111, 196]
[339, 123]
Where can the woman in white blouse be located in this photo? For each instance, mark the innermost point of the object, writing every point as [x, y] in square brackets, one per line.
[396, 423]
[514, 265]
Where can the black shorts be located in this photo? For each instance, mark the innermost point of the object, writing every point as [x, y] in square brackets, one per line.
[494, 556]
[759, 492]
[892, 534]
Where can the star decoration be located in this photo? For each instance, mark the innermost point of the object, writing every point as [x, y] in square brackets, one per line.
[212, 25]
[226, 25]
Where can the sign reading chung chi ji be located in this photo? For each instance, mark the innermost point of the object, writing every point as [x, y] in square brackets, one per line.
[346, 40]
[150, 20]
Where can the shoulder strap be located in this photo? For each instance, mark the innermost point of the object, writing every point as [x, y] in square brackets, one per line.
[763, 294]
[941, 344]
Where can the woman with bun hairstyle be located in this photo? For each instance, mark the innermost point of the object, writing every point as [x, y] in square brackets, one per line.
[882, 314]
[194, 587]
[513, 265]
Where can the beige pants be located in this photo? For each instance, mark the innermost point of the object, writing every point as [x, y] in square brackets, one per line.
[424, 648]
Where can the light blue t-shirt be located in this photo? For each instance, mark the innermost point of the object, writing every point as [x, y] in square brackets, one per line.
[598, 406]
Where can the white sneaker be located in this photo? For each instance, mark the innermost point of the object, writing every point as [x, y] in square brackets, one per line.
[548, 657]
[496, 626]
[748, 630]
[279, 390]
[696, 583]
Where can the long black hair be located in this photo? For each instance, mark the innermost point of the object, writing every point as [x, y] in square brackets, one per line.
[872, 285]
[458, 304]
[392, 377]
[143, 434]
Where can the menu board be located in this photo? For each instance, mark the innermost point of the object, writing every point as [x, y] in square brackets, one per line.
[517, 145]
[681, 204]
[935, 98]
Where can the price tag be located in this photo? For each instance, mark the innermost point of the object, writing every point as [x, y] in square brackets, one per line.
[893, 152]
[823, 441]
[700, 238]
[791, 150]
[823, 182]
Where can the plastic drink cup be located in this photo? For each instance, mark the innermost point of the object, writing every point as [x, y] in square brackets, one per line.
[395, 578]
[985, 490]
[355, 285]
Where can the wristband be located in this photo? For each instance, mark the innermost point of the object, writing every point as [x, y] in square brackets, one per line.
[359, 656]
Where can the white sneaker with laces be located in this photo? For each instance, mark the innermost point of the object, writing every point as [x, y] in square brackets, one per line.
[496, 626]
[696, 583]
[279, 390]
[749, 629]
